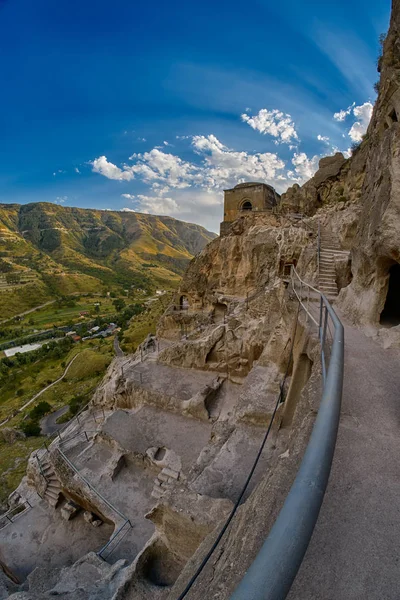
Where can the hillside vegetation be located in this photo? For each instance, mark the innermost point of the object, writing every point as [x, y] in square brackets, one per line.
[48, 250]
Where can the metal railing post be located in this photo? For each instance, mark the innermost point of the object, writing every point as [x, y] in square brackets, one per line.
[271, 574]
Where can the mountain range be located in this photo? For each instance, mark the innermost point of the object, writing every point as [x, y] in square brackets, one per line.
[47, 250]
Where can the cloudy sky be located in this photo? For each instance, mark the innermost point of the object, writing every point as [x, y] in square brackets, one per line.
[159, 106]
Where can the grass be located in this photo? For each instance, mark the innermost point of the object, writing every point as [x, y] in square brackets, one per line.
[143, 324]
[25, 297]
[48, 316]
[83, 378]
[34, 377]
[13, 459]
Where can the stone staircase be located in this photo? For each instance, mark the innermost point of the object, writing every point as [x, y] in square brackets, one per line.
[165, 479]
[53, 489]
[327, 272]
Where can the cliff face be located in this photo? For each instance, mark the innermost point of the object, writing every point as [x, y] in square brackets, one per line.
[377, 242]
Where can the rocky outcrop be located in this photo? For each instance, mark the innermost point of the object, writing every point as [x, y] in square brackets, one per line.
[337, 181]
[377, 243]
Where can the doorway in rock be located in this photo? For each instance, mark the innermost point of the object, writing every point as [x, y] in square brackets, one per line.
[183, 303]
[390, 316]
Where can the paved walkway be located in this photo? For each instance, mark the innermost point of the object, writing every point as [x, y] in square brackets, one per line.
[49, 425]
[354, 552]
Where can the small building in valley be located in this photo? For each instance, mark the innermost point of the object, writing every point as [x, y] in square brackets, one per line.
[247, 198]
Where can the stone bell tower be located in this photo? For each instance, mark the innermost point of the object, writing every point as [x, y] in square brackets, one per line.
[247, 198]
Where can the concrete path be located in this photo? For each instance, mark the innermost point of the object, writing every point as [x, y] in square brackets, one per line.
[354, 552]
[117, 347]
[48, 425]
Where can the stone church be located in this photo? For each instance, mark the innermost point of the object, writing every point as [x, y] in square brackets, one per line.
[247, 198]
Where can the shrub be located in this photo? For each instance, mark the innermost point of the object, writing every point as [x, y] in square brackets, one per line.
[31, 428]
[40, 410]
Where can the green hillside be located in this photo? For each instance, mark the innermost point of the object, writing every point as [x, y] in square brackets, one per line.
[48, 250]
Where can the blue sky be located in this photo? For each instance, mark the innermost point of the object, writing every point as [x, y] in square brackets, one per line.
[159, 106]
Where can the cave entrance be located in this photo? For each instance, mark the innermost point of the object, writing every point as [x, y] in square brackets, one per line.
[390, 316]
[219, 312]
[183, 303]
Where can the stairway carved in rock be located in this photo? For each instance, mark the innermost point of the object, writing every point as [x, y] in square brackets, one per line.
[52, 492]
[329, 247]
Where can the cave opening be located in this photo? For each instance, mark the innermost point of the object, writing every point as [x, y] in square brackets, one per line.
[183, 303]
[390, 316]
[393, 116]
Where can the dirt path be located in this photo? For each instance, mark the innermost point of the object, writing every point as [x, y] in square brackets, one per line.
[27, 312]
[352, 554]
[43, 390]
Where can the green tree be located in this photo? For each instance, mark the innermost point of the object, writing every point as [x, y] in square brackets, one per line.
[119, 304]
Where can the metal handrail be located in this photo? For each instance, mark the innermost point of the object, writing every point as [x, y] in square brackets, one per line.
[318, 249]
[274, 569]
[23, 506]
[76, 470]
[114, 540]
[101, 497]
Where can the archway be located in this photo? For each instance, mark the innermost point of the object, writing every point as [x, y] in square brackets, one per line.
[390, 316]
[247, 205]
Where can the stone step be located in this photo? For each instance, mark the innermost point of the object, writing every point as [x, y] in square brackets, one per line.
[170, 473]
[52, 493]
[52, 501]
[53, 487]
[328, 284]
[157, 492]
[328, 290]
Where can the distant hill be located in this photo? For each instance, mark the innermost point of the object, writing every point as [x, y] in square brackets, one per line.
[48, 250]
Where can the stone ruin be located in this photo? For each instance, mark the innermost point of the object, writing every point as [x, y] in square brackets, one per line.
[128, 503]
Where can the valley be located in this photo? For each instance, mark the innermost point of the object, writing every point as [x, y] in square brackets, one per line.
[71, 280]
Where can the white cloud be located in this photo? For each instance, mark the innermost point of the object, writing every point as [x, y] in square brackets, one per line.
[363, 114]
[223, 167]
[61, 199]
[111, 171]
[77, 170]
[158, 166]
[304, 166]
[125, 209]
[158, 205]
[342, 114]
[193, 190]
[273, 122]
[323, 138]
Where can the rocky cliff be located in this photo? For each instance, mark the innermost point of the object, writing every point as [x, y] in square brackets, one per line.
[183, 418]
